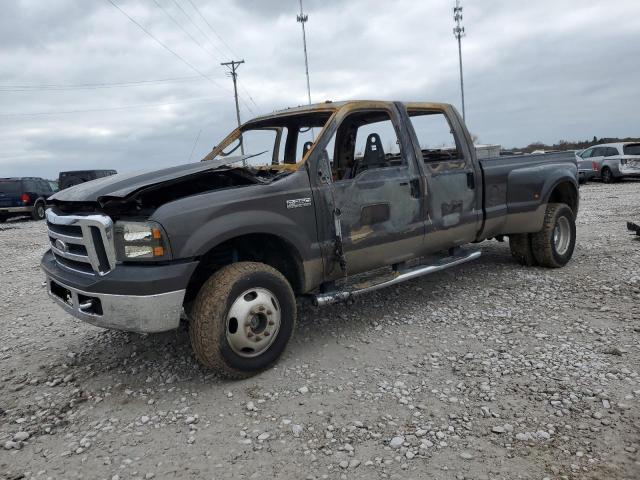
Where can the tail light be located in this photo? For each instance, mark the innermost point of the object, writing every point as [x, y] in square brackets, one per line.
[25, 198]
[594, 166]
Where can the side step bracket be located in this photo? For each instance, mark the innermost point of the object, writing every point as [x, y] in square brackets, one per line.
[459, 257]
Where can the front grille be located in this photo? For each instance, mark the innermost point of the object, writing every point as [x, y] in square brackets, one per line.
[80, 267]
[82, 243]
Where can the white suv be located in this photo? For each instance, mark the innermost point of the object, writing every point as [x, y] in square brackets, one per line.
[614, 160]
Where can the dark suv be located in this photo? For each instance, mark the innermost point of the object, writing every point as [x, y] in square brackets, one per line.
[21, 196]
[69, 179]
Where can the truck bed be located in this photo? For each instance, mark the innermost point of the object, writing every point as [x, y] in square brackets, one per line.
[516, 185]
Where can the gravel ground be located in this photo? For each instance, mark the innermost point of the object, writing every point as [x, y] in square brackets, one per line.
[487, 371]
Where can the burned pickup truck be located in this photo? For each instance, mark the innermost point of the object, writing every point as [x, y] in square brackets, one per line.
[299, 204]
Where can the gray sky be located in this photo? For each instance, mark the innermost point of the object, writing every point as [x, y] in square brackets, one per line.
[540, 70]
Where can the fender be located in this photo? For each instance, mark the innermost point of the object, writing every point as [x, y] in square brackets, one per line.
[285, 209]
[225, 227]
[569, 175]
[529, 190]
[530, 187]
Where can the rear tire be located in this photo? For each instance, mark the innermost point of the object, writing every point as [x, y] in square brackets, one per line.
[521, 249]
[263, 302]
[38, 210]
[553, 245]
[607, 175]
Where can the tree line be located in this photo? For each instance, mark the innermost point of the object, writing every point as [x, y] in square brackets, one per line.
[574, 145]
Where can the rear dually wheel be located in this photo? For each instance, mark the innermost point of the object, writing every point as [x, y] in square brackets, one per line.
[553, 245]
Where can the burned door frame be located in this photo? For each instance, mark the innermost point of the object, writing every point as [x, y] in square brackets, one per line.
[367, 238]
[453, 187]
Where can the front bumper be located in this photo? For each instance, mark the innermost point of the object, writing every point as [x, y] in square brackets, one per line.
[133, 313]
[135, 298]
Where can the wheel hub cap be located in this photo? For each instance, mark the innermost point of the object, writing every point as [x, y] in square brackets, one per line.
[253, 322]
[562, 236]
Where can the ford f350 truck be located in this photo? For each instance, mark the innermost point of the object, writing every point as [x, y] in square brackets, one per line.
[321, 202]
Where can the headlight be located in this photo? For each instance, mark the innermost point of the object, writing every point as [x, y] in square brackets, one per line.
[141, 241]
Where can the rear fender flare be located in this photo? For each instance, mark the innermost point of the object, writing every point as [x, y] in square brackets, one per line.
[552, 184]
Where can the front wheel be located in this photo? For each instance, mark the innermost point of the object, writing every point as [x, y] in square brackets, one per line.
[553, 245]
[242, 319]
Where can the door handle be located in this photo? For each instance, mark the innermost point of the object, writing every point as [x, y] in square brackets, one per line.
[471, 180]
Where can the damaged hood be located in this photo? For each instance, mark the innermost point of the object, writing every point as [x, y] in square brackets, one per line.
[122, 185]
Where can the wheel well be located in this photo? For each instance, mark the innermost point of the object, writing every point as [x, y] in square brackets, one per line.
[565, 192]
[256, 247]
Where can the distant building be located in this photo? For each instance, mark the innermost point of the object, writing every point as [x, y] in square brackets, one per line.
[488, 151]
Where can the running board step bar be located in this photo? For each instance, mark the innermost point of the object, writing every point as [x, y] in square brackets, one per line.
[459, 258]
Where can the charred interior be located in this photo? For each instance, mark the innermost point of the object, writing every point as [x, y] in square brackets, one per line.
[282, 140]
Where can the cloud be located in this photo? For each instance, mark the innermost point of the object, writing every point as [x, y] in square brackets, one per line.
[541, 70]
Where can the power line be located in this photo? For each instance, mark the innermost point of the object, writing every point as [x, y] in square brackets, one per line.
[165, 46]
[194, 146]
[174, 20]
[90, 86]
[107, 109]
[248, 94]
[179, 25]
[212, 29]
[199, 29]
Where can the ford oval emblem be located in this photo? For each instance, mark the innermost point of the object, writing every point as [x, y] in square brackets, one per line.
[60, 245]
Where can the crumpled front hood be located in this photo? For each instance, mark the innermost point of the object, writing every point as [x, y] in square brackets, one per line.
[122, 185]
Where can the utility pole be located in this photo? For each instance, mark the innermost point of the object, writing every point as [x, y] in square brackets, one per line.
[303, 18]
[233, 67]
[458, 32]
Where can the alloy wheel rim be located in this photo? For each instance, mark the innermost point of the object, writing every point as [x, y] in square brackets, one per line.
[253, 322]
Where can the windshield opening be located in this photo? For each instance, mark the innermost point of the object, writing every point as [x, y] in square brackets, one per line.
[274, 143]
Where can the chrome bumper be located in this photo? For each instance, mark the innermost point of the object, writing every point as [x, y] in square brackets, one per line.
[144, 313]
[16, 209]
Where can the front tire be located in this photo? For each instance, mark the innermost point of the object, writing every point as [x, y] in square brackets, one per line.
[553, 245]
[38, 212]
[242, 319]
